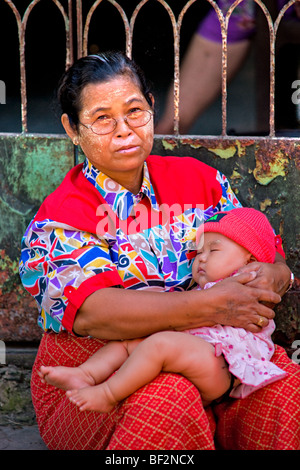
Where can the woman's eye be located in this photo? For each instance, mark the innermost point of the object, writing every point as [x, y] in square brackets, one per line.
[103, 117]
[134, 110]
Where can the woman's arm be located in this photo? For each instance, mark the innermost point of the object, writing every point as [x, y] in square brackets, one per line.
[113, 313]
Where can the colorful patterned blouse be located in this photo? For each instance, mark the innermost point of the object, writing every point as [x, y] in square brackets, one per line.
[93, 233]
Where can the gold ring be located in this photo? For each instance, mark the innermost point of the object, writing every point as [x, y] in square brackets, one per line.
[260, 321]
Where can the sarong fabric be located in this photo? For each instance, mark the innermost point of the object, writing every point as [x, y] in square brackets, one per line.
[166, 414]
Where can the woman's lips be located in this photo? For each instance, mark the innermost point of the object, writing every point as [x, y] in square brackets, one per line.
[127, 149]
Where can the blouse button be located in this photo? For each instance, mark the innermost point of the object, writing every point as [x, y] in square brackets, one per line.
[68, 290]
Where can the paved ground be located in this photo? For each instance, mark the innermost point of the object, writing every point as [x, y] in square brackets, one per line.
[18, 428]
[23, 438]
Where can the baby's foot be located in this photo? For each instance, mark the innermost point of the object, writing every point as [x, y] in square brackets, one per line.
[65, 378]
[95, 398]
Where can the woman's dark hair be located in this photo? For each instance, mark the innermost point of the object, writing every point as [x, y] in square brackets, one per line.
[96, 68]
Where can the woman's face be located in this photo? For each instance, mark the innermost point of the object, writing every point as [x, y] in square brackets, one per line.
[121, 153]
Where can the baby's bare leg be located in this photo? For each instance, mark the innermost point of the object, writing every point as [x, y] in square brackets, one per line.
[195, 359]
[198, 363]
[140, 368]
[100, 397]
[165, 351]
[96, 369]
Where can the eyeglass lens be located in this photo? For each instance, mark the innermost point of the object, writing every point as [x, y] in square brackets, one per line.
[134, 119]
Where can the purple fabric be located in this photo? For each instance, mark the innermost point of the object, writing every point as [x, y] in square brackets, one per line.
[241, 24]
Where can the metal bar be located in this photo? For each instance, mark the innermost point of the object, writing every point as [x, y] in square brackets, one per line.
[176, 64]
[273, 30]
[273, 27]
[132, 23]
[71, 45]
[224, 26]
[272, 67]
[79, 27]
[177, 68]
[89, 17]
[22, 65]
[129, 23]
[224, 32]
[22, 25]
[281, 13]
[176, 52]
[67, 21]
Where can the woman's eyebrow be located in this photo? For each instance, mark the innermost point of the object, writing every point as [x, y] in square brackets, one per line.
[134, 99]
[97, 110]
[103, 108]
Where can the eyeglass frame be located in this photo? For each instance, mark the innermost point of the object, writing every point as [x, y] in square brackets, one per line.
[90, 126]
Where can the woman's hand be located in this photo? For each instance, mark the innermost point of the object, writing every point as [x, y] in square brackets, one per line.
[270, 276]
[238, 303]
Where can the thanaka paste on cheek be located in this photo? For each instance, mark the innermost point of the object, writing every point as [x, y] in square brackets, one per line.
[121, 153]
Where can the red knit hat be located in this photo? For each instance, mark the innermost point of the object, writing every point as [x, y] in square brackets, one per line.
[247, 227]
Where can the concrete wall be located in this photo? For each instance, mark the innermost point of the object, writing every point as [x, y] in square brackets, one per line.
[264, 172]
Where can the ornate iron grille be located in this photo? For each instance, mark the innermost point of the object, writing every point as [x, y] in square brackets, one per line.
[77, 30]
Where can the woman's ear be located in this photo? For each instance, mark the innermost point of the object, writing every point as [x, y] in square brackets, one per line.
[152, 99]
[70, 130]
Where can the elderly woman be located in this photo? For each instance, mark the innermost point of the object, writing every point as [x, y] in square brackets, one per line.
[106, 258]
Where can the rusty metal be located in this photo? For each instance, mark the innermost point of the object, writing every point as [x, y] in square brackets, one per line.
[89, 17]
[21, 25]
[272, 67]
[82, 45]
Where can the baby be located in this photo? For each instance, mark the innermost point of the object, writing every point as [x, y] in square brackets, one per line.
[218, 360]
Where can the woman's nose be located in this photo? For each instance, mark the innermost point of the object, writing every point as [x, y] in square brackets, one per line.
[122, 127]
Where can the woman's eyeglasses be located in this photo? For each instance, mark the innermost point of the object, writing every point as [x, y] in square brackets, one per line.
[105, 124]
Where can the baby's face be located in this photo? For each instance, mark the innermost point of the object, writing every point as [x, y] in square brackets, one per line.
[217, 257]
